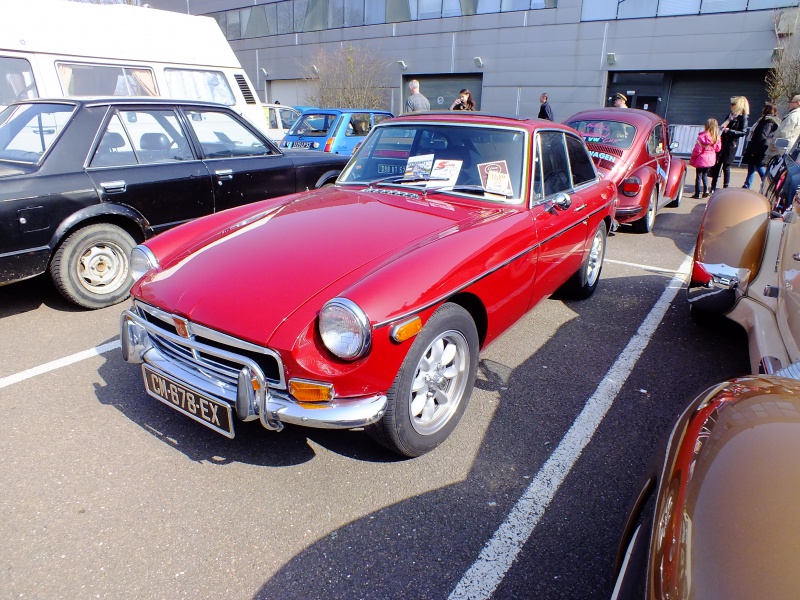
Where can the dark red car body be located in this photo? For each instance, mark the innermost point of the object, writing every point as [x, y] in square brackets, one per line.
[632, 148]
[262, 273]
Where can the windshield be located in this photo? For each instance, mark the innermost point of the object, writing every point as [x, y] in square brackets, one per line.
[28, 130]
[485, 161]
[314, 124]
[608, 133]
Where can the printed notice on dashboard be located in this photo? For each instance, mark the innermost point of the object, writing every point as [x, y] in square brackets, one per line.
[495, 178]
[445, 173]
[419, 166]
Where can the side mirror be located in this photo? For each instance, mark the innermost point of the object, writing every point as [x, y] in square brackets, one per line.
[562, 201]
[782, 144]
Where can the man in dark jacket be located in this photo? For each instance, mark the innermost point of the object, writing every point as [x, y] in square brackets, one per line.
[755, 153]
[545, 111]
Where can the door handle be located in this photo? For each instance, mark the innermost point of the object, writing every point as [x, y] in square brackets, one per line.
[113, 187]
[581, 207]
[224, 174]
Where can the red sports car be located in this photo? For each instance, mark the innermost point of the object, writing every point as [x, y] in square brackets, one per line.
[631, 148]
[366, 304]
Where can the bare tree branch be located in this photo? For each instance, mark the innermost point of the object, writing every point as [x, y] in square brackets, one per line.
[783, 79]
[348, 77]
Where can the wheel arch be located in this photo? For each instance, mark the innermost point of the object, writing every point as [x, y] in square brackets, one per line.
[475, 307]
[328, 176]
[122, 216]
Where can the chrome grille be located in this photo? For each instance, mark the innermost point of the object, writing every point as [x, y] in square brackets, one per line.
[194, 354]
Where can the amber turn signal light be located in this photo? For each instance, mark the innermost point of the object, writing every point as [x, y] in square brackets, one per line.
[406, 330]
[310, 391]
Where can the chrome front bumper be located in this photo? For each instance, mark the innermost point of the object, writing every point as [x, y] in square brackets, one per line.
[716, 288]
[248, 401]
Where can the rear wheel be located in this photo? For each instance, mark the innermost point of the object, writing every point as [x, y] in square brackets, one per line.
[91, 268]
[646, 223]
[432, 388]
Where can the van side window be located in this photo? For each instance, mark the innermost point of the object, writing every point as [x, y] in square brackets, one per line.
[220, 135]
[210, 86]
[78, 79]
[16, 80]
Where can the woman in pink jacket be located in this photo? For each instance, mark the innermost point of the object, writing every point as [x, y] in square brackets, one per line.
[704, 155]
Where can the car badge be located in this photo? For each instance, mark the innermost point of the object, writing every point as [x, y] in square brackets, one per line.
[181, 326]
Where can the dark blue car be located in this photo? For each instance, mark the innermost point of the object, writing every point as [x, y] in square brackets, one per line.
[334, 130]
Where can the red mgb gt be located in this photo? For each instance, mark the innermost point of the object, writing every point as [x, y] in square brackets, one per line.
[366, 304]
[631, 148]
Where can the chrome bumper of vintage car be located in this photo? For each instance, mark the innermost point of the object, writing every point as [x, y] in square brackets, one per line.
[627, 211]
[716, 287]
[236, 380]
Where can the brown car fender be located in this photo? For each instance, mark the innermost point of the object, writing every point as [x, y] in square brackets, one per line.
[730, 246]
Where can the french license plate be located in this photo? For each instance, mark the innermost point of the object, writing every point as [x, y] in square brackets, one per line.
[207, 411]
[301, 144]
[391, 169]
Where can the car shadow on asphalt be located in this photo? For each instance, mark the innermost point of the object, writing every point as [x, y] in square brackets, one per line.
[379, 555]
[28, 295]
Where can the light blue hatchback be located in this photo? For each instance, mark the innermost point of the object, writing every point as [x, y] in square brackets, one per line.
[335, 130]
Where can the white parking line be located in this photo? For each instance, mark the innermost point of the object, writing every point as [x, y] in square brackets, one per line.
[638, 266]
[57, 364]
[494, 561]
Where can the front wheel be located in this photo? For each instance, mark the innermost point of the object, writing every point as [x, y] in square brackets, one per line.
[91, 268]
[646, 223]
[584, 282]
[432, 388]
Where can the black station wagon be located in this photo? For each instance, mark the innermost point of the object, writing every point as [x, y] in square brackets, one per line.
[83, 181]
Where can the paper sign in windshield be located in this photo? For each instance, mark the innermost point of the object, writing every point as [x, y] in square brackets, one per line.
[445, 172]
[419, 166]
[495, 178]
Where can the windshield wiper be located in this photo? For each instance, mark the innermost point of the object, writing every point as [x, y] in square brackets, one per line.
[464, 187]
[404, 179]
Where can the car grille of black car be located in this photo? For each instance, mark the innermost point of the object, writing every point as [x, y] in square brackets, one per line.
[191, 354]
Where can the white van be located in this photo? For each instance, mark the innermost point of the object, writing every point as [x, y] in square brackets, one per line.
[54, 48]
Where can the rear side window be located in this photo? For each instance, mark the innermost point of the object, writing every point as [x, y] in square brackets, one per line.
[79, 79]
[28, 130]
[221, 135]
[209, 86]
[288, 117]
[358, 126]
[16, 80]
[655, 143]
[580, 162]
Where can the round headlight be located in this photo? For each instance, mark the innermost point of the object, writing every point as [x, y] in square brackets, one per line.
[142, 260]
[345, 329]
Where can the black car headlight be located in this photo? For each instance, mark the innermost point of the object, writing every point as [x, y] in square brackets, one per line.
[142, 260]
[345, 329]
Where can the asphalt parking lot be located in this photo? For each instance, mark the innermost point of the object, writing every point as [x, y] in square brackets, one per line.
[110, 494]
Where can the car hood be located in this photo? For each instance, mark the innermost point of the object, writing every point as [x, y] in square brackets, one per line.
[280, 256]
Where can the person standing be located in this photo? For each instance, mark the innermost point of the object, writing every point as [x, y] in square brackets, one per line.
[545, 110]
[704, 156]
[755, 153]
[733, 128]
[416, 101]
[464, 101]
[620, 100]
[788, 129]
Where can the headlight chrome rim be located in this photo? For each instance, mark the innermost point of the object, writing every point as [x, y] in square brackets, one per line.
[360, 320]
[142, 260]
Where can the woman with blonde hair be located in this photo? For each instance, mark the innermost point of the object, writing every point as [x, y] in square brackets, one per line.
[704, 155]
[731, 129]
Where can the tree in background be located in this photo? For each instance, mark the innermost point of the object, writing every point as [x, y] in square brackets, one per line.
[783, 79]
[347, 77]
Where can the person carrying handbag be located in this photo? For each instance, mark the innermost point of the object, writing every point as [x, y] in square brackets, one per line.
[704, 155]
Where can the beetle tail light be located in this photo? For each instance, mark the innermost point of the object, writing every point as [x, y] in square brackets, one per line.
[700, 274]
[631, 186]
[329, 145]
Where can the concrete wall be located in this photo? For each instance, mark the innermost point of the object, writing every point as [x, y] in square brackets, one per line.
[524, 53]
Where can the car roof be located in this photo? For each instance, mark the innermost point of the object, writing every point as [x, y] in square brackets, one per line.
[481, 118]
[634, 116]
[114, 100]
[339, 111]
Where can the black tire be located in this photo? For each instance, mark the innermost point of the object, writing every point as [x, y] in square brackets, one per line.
[417, 421]
[679, 196]
[646, 223]
[584, 282]
[91, 268]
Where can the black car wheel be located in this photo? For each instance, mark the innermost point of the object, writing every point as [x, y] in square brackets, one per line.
[91, 268]
[432, 389]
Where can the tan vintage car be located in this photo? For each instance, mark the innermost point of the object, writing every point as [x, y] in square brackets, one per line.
[718, 517]
[747, 264]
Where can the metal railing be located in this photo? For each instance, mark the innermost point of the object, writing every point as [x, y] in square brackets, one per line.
[686, 136]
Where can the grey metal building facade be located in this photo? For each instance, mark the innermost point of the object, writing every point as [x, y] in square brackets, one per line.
[680, 58]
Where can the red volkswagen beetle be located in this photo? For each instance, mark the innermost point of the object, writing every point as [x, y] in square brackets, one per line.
[366, 304]
[631, 148]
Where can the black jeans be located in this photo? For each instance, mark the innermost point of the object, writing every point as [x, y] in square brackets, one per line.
[726, 175]
[701, 175]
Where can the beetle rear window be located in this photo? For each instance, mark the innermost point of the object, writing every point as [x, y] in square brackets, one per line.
[608, 133]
